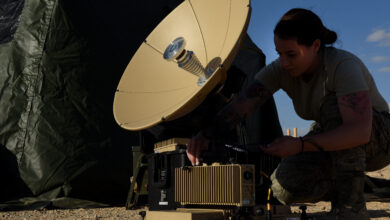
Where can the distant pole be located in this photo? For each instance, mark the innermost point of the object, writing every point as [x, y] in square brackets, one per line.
[295, 132]
[288, 132]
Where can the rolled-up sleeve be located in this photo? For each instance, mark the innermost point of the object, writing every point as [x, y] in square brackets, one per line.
[349, 78]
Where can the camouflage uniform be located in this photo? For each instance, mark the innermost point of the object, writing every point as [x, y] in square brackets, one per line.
[336, 176]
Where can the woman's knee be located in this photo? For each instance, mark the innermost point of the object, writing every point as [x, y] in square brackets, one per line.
[300, 179]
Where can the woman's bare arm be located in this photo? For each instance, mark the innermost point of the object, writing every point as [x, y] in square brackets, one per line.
[356, 113]
[236, 111]
[355, 130]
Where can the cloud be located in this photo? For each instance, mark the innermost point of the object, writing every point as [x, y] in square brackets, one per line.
[384, 70]
[380, 36]
[378, 59]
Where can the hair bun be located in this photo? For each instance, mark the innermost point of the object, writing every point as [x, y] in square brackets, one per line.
[329, 37]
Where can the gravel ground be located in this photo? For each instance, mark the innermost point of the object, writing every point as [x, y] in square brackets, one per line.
[87, 214]
[377, 210]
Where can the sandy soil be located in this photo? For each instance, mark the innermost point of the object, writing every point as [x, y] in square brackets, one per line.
[377, 210]
[383, 173]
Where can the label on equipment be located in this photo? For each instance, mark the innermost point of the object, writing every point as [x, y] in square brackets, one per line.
[246, 201]
[163, 203]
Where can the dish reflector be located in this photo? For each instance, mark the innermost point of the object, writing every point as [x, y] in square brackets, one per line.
[153, 89]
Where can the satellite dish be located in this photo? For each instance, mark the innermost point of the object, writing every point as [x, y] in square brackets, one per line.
[180, 62]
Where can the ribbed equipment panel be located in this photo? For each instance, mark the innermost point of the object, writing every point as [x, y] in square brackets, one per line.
[215, 185]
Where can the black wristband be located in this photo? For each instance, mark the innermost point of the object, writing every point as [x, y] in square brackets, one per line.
[317, 146]
[302, 143]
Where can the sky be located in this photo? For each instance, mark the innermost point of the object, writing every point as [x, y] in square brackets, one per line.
[363, 28]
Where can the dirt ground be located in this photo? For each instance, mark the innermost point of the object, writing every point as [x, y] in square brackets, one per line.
[377, 210]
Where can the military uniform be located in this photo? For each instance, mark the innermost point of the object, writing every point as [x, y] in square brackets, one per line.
[336, 176]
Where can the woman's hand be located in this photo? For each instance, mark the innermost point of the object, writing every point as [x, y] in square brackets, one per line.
[197, 144]
[285, 146]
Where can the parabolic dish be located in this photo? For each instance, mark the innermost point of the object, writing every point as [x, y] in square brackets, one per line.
[153, 89]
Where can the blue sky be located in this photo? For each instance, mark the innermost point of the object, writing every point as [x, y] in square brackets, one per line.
[363, 28]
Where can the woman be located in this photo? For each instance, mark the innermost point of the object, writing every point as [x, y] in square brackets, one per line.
[333, 88]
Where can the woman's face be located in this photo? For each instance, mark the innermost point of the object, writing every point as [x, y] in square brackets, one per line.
[295, 58]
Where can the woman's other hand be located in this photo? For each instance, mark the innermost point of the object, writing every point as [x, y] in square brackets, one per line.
[197, 144]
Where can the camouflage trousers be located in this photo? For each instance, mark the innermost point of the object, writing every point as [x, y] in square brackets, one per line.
[336, 176]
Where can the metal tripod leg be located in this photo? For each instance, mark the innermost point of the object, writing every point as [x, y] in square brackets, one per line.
[138, 185]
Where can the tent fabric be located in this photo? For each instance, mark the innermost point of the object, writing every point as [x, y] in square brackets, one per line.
[59, 68]
[51, 120]
[10, 11]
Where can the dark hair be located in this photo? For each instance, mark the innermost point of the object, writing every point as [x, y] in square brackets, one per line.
[305, 26]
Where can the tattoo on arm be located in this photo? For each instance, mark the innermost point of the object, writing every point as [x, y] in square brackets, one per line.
[356, 101]
[350, 100]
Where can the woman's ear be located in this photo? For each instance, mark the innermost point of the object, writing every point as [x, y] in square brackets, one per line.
[316, 45]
